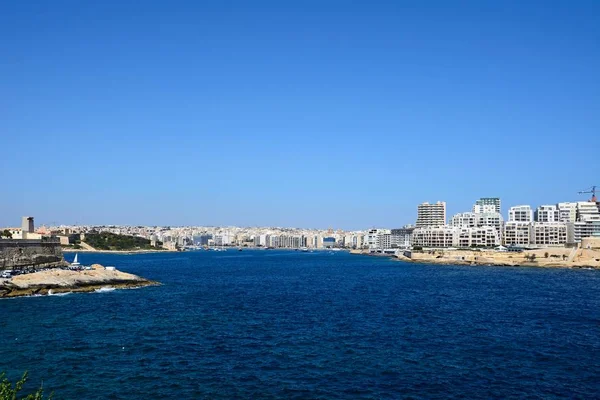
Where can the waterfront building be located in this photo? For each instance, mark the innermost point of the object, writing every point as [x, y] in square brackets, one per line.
[401, 237]
[435, 236]
[374, 238]
[464, 220]
[520, 214]
[587, 223]
[517, 233]
[487, 204]
[547, 213]
[567, 212]
[493, 219]
[201, 240]
[481, 236]
[478, 220]
[431, 214]
[543, 234]
[328, 242]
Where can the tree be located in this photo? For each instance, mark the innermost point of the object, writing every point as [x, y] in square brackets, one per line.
[8, 392]
[6, 234]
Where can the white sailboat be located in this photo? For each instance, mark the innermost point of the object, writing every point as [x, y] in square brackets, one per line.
[75, 263]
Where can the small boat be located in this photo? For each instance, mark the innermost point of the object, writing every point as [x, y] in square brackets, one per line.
[304, 249]
[75, 263]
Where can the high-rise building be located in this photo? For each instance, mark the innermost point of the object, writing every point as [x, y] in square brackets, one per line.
[567, 212]
[520, 214]
[492, 219]
[548, 213]
[587, 223]
[431, 214]
[464, 220]
[487, 204]
[401, 237]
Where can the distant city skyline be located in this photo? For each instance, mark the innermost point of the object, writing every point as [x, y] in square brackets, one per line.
[309, 114]
[448, 216]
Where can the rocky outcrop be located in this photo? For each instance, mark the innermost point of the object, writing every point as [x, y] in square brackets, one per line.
[56, 281]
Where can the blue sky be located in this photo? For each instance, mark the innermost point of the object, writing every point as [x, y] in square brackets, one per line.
[310, 113]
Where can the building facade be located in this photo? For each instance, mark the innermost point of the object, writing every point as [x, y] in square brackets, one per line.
[567, 212]
[487, 204]
[435, 236]
[517, 233]
[544, 234]
[547, 213]
[464, 220]
[520, 214]
[431, 214]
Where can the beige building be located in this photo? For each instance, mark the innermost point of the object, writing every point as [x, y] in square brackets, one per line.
[429, 214]
[483, 236]
[438, 236]
[517, 233]
[544, 234]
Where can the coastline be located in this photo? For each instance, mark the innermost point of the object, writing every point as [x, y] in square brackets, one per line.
[56, 281]
[574, 258]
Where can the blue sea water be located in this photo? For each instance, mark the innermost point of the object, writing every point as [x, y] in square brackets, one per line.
[285, 324]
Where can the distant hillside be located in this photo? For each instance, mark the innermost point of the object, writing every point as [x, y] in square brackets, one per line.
[112, 241]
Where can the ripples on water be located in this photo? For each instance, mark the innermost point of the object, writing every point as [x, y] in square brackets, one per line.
[311, 325]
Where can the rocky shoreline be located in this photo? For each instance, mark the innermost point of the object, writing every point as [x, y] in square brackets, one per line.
[56, 281]
[544, 258]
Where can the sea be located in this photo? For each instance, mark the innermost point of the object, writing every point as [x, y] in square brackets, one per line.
[270, 324]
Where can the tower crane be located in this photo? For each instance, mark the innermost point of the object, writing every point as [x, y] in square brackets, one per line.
[591, 190]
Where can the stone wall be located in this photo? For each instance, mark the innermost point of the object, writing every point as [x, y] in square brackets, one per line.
[20, 254]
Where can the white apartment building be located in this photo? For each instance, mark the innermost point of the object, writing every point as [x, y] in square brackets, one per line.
[438, 236]
[545, 234]
[493, 219]
[567, 212]
[374, 239]
[464, 220]
[520, 214]
[472, 220]
[402, 237]
[385, 241]
[484, 236]
[587, 223]
[547, 213]
[431, 214]
[517, 233]
[487, 204]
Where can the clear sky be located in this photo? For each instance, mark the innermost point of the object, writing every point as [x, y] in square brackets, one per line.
[307, 113]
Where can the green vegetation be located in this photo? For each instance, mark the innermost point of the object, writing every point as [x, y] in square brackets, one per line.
[112, 241]
[6, 234]
[10, 392]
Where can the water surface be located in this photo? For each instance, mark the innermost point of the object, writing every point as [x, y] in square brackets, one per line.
[285, 324]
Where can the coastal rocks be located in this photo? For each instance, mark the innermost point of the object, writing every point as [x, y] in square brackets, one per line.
[61, 281]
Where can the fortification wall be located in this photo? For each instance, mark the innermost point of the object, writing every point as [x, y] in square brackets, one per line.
[18, 254]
